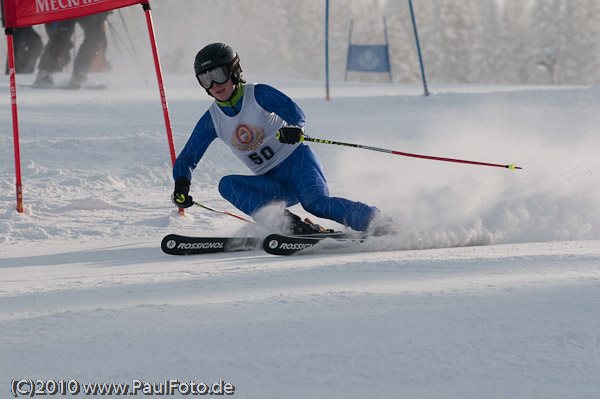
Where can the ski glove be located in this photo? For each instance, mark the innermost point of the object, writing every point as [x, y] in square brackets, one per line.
[290, 134]
[180, 196]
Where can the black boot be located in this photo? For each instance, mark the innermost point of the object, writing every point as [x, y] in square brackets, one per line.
[301, 227]
[77, 79]
[43, 80]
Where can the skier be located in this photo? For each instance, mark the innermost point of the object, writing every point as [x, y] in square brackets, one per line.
[28, 47]
[56, 52]
[264, 128]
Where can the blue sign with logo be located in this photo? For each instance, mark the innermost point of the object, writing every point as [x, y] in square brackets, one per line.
[368, 58]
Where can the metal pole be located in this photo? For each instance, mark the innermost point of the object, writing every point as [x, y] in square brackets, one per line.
[223, 212]
[349, 45]
[412, 15]
[387, 49]
[407, 154]
[326, 50]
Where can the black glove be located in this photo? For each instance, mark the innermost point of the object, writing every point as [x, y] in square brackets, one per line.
[290, 134]
[180, 196]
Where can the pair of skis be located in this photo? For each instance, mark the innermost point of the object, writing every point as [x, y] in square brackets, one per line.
[275, 244]
[278, 244]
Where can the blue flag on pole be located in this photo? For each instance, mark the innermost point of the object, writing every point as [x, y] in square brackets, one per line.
[368, 58]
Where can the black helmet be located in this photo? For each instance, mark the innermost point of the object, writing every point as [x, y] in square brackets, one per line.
[215, 55]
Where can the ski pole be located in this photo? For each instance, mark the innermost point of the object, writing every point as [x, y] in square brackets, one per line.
[223, 212]
[406, 154]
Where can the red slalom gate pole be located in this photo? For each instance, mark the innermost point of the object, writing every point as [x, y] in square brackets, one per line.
[407, 154]
[161, 85]
[159, 77]
[13, 100]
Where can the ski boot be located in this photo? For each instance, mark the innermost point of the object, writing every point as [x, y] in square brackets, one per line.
[43, 80]
[383, 225]
[302, 227]
[77, 80]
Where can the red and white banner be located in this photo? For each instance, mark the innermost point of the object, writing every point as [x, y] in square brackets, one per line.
[20, 13]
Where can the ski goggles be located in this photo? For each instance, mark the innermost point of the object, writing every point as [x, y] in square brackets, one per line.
[218, 75]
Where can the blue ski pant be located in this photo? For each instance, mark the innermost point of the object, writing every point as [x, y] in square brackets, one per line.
[298, 179]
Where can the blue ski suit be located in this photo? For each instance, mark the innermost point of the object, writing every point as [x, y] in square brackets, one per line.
[296, 178]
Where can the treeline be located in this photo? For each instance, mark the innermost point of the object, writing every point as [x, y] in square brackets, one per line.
[463, 41]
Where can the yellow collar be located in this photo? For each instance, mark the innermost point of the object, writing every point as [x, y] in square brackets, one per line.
[238, 93]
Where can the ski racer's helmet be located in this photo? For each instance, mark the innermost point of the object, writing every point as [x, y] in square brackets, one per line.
[213, 56]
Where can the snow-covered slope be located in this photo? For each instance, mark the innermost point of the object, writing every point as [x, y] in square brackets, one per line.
[491, 290]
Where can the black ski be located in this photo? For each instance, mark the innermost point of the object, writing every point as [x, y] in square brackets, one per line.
[278, 244]
[174, 244]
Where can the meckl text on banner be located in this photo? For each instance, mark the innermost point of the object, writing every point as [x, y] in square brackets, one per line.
[20, 13]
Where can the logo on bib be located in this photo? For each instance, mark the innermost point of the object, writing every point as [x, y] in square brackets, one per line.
[247, 137]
